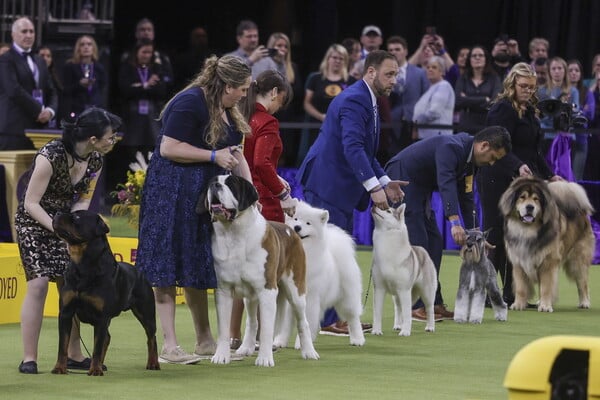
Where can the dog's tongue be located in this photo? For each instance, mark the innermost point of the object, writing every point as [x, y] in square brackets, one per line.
[527, 218]
[218, 209]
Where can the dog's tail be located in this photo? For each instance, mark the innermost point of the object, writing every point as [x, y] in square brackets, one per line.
[571, 198]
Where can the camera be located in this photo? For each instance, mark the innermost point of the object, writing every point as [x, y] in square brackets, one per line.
[564, 115]
[272, 52]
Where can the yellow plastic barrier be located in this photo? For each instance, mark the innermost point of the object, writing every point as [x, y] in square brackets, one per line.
[555, 367]
[13, 284]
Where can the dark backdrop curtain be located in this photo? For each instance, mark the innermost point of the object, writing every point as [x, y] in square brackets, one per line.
[571, 26]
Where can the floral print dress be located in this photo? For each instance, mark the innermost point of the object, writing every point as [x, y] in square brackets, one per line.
[43, 254]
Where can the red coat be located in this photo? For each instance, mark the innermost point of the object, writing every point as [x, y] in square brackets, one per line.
[262, 150]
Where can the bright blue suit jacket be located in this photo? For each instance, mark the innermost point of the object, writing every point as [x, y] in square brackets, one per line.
[343, 156]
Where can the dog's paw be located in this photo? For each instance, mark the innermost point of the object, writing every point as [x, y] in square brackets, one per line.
[404, 332]
[153, 367]
[96, 372]
[584, 305]
[245, 350]
[221, 356]
[397, 327]
[60, 370]
[501, 315]
[545, 308]
[430, 328]
[279, 343]
[359, 341]
[310, 354]
[266, 361]
[459, 320]
[518, 306]
[475, 321]
[378, 332]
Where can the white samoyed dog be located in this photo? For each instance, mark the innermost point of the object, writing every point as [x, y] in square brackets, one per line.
[333, 277]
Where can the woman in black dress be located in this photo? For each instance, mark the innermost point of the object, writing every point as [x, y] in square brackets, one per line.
[515, 109]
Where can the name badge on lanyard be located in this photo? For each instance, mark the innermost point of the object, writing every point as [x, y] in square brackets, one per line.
[38, 95]
[143, 105]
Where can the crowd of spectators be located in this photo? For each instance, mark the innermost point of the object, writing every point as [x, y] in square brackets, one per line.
[460, 96]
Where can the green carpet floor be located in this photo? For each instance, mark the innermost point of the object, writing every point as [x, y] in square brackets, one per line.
[455, 362]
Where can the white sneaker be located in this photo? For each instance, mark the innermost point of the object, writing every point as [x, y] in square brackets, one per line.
[177, 356]
[206, 352]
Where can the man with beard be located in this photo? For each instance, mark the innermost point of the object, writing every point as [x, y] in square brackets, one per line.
[340, 172]
[505, 54]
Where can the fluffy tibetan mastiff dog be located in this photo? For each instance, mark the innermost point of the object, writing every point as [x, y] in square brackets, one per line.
[547, 225]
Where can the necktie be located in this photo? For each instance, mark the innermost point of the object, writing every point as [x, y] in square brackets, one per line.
[31, 64]
[376, 116]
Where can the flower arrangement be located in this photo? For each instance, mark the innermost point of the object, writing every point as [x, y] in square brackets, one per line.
[129, 194]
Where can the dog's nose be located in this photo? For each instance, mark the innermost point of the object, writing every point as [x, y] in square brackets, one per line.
[529, 208]
[297, 228]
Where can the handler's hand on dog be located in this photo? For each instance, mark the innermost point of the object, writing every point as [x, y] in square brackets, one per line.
[525, 171]
[289, 205]
[459, 235]
[224, 158]
[380, 200]
[394, 192]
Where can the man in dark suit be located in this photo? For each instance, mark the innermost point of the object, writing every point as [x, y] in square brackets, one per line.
[28, 98]
[340, 172]
[446, 164]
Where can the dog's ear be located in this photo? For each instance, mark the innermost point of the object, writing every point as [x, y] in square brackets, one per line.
[509, 198]
[202, 204]
[398, 212]
[244, 191]
[324, 217]
[486, 233]
[101, 226]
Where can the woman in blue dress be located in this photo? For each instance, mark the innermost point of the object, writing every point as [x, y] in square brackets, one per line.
[200, 137]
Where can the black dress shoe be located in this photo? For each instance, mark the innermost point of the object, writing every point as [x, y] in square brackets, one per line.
[29, 367]
[82, 365]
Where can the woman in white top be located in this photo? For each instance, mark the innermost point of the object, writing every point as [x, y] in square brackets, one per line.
[436, 105]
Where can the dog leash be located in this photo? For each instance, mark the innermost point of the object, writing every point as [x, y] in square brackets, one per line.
[368, 284]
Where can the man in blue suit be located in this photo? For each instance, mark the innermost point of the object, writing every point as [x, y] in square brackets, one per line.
[340, 172]
[410, 86]
[28, 98]
[446, 164]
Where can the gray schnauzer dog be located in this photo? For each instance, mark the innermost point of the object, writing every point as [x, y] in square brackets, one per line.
[477, 274]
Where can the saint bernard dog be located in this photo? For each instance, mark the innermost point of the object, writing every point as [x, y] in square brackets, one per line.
[254, 259]
[547, 225]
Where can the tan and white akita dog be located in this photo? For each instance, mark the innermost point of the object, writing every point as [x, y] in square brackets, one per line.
[403, 270]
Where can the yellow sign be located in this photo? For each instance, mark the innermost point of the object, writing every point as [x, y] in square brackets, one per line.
[13, 284]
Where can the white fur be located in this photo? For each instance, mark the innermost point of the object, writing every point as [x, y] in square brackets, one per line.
[333, 277]
[240, 268]
[404, 271]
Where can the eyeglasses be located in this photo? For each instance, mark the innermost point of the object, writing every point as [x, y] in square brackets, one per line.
[529, 88]
[112, 139]
[477, 55]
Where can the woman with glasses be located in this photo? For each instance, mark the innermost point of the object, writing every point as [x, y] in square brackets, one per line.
[515, 109]
[63, 179]
[475, 89]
